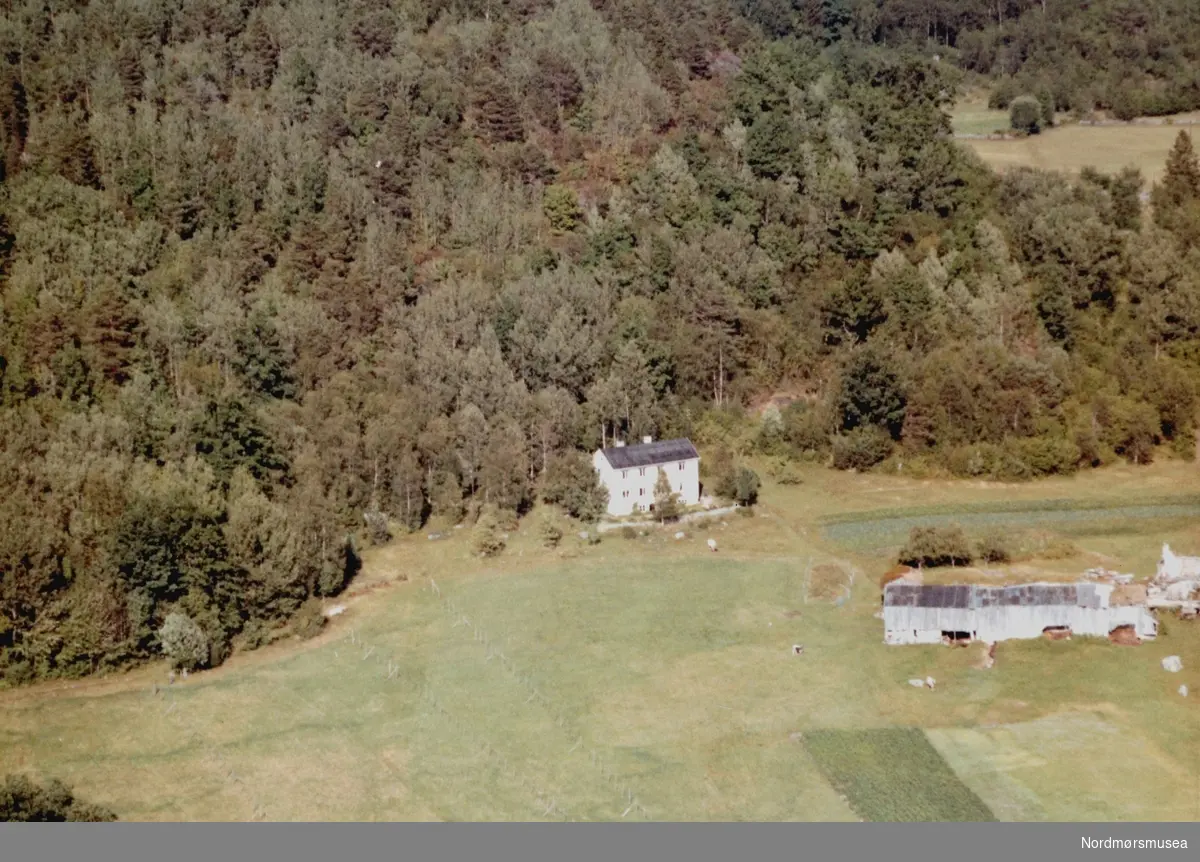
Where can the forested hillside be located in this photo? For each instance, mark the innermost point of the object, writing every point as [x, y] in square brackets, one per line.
[1129, 57]
[269, 268]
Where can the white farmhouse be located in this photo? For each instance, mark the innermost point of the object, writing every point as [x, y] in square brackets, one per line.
[630, 473]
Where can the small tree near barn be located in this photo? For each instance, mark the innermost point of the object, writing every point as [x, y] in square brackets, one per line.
[936, 546]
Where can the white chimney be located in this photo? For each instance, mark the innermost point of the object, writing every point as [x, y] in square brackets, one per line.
[647, 439]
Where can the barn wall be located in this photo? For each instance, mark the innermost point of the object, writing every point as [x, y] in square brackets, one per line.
[1010, 622]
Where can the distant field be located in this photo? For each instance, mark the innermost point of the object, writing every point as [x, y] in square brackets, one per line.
[652, 679]
[886, 531]
[1069, 147]
[975, 118]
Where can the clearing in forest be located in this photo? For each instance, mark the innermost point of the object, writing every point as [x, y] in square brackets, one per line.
[647, 679]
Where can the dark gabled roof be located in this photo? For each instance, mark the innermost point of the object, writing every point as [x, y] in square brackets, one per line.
[912, 595]
[968, 596]
[645, 454]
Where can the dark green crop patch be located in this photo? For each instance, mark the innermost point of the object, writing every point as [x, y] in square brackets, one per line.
[894, 774]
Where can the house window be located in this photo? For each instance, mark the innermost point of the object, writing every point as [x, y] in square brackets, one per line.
[623, 472]
[681, 465]
[624, 493]
[641, 492]
[642, 471]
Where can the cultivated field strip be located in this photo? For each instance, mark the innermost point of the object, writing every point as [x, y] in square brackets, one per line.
[886, 529]
[894, 774]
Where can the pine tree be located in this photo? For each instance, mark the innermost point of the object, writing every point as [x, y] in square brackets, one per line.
[130, 70]
[498, 115]
[487, 537]
[1176, 199]
[557, 90]
[261, 57]
[1181, 182]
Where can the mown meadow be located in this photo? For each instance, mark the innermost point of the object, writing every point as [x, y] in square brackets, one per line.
[651, 679]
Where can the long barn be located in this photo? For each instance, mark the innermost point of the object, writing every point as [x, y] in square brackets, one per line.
[914, 614]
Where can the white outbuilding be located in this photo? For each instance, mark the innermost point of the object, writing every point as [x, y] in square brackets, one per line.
[918, 614]
[1173, 568]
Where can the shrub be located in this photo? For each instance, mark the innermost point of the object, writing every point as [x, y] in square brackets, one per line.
[806, 429]
[377, 527]
[770, 439]
[487, 538]
[861, 449]
[309, 620]
[1184, 446]
[993, 547]
[936, 546]
[24, 801]
[1003, 95]
[183, 642]
[982, 459]
[561, 207]
[1030, 457]
[550, 532]
[745, 486]
[628, 533]
[784, 472]
[256, 634]
[1047, 103]
[1025, 114]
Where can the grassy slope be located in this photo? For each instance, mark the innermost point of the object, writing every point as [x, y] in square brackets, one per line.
[649, 671]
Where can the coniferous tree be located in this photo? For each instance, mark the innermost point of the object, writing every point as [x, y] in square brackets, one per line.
[666, 499]
[498, 114]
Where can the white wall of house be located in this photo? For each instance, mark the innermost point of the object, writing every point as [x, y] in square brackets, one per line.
[632, 489]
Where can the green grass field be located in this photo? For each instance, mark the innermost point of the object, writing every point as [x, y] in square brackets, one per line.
[1069, 147]
[652, 679]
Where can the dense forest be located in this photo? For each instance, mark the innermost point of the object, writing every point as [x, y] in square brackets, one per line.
[272, 271]
[1127, 57]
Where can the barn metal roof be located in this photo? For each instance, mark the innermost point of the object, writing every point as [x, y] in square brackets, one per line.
[970, 596]
[646, 454]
